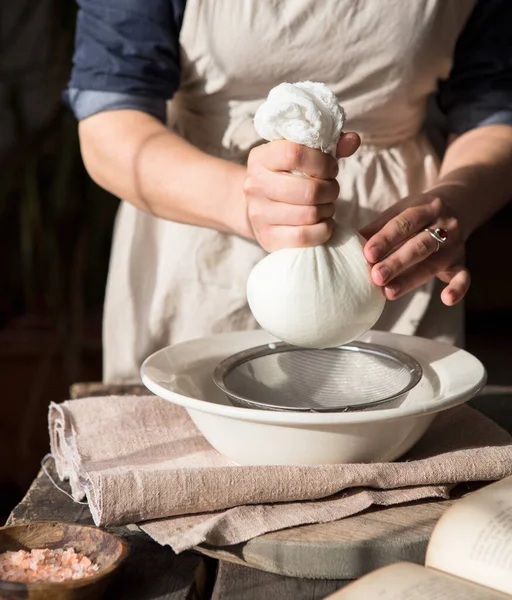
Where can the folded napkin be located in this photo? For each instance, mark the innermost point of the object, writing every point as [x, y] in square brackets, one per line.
[141, 460]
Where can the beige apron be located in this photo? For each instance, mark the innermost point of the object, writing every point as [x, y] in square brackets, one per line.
[170, 282]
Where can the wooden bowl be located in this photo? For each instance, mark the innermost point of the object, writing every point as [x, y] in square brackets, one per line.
[104, 549]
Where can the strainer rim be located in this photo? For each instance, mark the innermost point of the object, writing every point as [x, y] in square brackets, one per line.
[227, 365]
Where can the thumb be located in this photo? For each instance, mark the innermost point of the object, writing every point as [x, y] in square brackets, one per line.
[347, 144]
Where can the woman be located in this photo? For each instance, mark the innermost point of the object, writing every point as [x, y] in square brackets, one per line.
[166, 90]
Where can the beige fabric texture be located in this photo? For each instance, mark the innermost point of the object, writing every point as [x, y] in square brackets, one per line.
[170, 282]
[142, 460]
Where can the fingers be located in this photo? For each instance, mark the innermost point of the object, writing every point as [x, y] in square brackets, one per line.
[368, 231]
[291, 189]
[416, 249]
[286, 209]
[457, 277]
[284, 236]
[410, 280]
[347, 145]
[418, 260]
[278, 222]
[459, 280]
[282, 155]
[398, 229]
[263, 211]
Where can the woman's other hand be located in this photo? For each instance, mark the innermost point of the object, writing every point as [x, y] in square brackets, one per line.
[287, 210]
[404, 256]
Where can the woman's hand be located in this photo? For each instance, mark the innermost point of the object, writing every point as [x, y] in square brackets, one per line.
[405, 256]
[287, 210]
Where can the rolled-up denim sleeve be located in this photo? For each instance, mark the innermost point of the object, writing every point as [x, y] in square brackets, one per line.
[479, 89]
[126, 56]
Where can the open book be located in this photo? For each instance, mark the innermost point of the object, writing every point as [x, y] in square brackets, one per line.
[469, 556]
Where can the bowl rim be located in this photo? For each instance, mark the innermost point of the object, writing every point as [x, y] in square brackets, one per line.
[242, 339]
[7, 585]
[229, 364]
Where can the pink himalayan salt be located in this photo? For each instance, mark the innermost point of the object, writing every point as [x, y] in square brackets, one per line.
[45, 565]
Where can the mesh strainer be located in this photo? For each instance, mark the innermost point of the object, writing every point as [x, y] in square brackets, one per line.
[355, 376]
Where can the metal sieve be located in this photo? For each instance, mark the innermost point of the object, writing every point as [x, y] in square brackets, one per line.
[355, 376]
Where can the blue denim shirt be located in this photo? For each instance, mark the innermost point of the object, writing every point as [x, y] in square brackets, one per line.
[127, 57]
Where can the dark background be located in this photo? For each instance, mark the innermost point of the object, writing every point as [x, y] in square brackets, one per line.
[55, 229]
[55, 232]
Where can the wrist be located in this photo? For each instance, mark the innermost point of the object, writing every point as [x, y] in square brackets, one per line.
[235, 209]
[475, 177]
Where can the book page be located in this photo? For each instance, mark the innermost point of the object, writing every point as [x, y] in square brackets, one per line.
[404, 581]
[473, 539]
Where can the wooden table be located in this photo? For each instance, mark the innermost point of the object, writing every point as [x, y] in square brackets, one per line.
[153, 572]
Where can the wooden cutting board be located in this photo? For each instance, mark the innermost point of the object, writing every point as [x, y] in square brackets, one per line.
[343, 549]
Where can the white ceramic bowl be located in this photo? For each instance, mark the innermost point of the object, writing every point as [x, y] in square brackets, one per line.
[183, 374]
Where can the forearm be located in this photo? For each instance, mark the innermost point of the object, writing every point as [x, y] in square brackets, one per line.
[138, 159]
[476, 175]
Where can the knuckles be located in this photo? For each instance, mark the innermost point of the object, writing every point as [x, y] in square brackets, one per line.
[303, 236]
[303, 206]
[255, 211]
[309, 215]
[317, 192]
[423, 247]
[405, 223]
[250, 185]
[311, 192]
[293, 155]
[450, 221]
[299, 236]
[283, 155]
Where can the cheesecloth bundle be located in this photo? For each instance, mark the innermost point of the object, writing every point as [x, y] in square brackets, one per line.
[323, 296]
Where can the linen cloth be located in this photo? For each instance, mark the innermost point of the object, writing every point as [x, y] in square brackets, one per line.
[141, 460]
